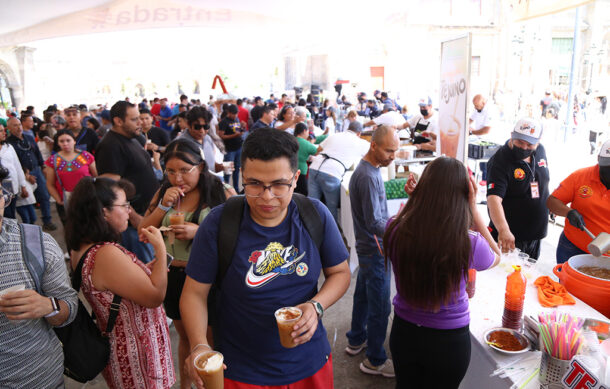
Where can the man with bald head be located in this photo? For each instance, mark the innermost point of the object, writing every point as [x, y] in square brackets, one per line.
[371, 307]
[31, 161]
[480, 120]
[480, 125]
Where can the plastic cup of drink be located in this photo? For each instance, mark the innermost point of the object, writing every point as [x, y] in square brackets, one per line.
[228, 167]
[15, 288]
[286, 318]
[176, 218]
[209, 368]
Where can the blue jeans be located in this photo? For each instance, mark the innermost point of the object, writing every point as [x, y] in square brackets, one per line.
[130, 240]
[371, 307]
[234, 156]
[483, 167]
[566, 249]
[320, 183]
[27, 213]
[42, 195]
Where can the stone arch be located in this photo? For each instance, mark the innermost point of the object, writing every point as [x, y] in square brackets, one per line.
[12, 82]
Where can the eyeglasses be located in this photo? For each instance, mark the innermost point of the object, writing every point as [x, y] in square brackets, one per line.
[181, 172]
[7, 197]
[127, 206]
[197, 126]
[277, 189]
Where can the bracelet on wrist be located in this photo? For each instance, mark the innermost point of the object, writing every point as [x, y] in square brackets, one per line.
[163, 207]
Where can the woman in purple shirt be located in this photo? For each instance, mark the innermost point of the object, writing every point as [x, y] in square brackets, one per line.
[431, 244]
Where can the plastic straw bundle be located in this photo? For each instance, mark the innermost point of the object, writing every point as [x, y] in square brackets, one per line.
[560, 334]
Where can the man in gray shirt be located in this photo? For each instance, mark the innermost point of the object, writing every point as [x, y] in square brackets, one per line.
[372, 295]
[30, 354]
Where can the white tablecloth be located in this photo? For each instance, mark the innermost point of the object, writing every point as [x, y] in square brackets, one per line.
[486, 308]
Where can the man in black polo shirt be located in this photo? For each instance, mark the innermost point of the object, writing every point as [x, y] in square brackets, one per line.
[517, 190]
[230, 131]
[86, 139]
[119, 155]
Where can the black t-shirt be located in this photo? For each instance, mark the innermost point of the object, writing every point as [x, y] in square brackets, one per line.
[117, 154]
[511, 180]
[86, 140]
[158, 136]
[230, 127]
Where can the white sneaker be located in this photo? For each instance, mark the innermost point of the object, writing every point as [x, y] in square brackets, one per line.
[386, 369]
[355, 350]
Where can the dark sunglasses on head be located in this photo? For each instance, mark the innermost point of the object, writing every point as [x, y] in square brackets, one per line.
[197, 126]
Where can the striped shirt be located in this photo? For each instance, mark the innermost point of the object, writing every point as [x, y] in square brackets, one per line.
[31, 355]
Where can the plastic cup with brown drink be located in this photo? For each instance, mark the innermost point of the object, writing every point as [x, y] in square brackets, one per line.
[176, 218]
[286, 318]
[228, 167]
[209, 368]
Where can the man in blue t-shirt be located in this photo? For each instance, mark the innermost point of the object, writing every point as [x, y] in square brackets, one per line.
[165, 115]
[276, 264]
[371, 307]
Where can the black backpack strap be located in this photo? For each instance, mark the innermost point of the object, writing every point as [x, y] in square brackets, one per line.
[32, 249]
[310, 217]
[77, 278]
[230, 220]
[115, 307]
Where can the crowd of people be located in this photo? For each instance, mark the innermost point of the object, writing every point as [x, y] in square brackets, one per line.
[148, 197]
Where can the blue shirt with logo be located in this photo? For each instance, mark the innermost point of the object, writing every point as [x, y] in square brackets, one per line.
[272, 267]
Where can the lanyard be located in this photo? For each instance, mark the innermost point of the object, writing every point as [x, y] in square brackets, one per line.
[532, 171]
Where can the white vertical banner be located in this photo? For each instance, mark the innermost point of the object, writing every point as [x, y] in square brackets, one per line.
[454, 92]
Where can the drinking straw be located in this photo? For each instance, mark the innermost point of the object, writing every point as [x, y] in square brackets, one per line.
[178, 206]
[523, 385]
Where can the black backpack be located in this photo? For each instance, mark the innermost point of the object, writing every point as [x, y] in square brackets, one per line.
[86, 350]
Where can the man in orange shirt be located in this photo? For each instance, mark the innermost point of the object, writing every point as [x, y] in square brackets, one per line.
[588, 193]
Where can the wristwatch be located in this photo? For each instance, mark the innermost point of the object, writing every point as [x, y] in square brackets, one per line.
[163, 207]
[56, 308]
[318, 307]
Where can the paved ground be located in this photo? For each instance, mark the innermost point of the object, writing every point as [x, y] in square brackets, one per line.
[337, 321]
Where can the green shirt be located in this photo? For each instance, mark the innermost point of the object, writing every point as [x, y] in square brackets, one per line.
[306, 148]
[181, 249]
[320, 139]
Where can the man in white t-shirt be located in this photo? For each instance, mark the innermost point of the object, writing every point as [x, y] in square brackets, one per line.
[388, 117]
[480, 125]
[480, 119]
[424, 125]
[339, 152]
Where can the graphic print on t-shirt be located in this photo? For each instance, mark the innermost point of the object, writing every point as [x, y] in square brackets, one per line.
[271, 262]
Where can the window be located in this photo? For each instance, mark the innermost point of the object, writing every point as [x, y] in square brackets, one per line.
[475, 66]
[562, 46]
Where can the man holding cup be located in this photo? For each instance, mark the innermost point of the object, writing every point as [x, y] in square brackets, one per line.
[275, 264]
[30, 353]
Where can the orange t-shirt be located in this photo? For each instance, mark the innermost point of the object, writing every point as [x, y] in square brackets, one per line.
[591, 199]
